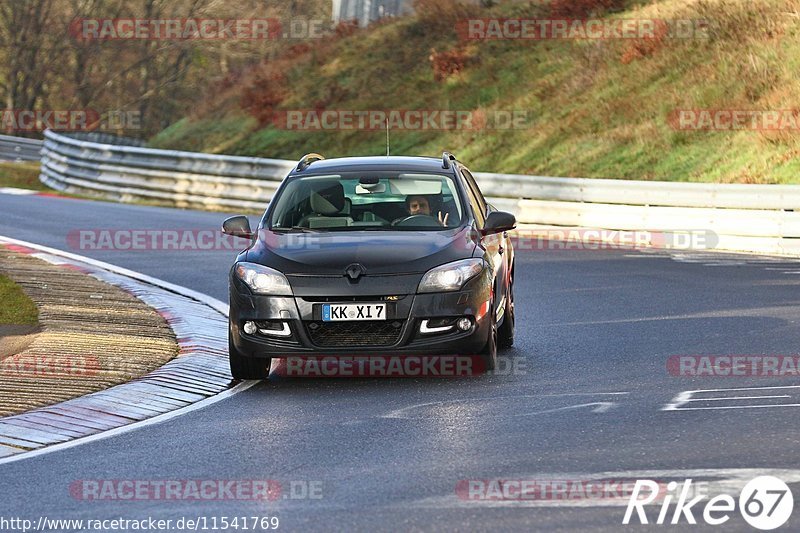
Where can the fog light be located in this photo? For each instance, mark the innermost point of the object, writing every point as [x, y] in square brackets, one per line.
[250, 327]
[464, 324]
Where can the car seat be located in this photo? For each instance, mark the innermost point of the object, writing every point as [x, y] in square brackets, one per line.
[329, 207]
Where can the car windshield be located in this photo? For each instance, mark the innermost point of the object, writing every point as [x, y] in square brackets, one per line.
[367, 201]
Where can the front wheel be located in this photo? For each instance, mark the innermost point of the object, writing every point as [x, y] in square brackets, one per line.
[243, 367]
[488, 355]
[505, 335]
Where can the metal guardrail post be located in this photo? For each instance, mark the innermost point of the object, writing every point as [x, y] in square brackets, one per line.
[19, 148]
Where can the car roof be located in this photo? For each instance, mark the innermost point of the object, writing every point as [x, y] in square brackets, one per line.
[346, 164]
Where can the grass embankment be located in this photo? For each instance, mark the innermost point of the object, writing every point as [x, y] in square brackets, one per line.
[21, 176]
[599, 108]
[17, 308]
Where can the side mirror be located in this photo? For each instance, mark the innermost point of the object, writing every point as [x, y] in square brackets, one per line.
[498, 222]
[238, 226]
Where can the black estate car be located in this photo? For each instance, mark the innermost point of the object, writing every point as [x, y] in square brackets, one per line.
[368, 256]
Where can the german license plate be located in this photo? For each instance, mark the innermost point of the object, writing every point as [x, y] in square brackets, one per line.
[336, 312]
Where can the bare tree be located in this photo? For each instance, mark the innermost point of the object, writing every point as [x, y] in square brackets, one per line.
[30, 49]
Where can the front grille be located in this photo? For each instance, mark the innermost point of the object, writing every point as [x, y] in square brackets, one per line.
[351, 334]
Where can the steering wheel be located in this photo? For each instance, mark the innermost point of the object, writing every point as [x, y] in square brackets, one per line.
[417, 220]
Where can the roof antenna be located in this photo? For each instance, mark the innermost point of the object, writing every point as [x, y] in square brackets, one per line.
[387, 137]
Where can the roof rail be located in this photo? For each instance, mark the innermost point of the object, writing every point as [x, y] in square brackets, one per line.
[306, 160]
[446, 158]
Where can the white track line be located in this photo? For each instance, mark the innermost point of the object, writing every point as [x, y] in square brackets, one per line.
[130, 427]
[17, 192]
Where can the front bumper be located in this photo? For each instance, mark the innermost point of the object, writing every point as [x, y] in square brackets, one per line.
[398, 335]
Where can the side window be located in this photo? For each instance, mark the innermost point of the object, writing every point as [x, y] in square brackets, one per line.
[475, 200]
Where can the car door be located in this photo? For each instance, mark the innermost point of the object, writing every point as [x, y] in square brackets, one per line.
[494, 245]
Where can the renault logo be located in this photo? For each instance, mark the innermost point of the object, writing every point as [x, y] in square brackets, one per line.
[355, 271]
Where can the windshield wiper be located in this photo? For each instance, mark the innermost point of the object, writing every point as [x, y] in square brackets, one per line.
[296, 229]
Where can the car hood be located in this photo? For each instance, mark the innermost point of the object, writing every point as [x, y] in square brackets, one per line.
[379, 252]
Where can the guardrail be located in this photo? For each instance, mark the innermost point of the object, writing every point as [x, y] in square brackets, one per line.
[758, 218]
[185, 179]
[19, 148]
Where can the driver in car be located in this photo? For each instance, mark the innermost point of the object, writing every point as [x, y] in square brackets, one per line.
[418, 204]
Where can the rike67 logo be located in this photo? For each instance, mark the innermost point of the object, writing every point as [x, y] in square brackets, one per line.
[765, 503]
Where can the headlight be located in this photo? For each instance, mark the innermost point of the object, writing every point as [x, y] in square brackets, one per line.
[450, 277]
[263, 280]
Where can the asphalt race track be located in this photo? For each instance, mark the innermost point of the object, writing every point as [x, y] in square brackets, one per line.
[581, 394]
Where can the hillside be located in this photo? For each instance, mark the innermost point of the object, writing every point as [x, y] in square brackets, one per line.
[597, 108]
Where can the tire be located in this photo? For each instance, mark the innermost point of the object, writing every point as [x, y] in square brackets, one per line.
[505, 334]
[243, 367]
[488, 355]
